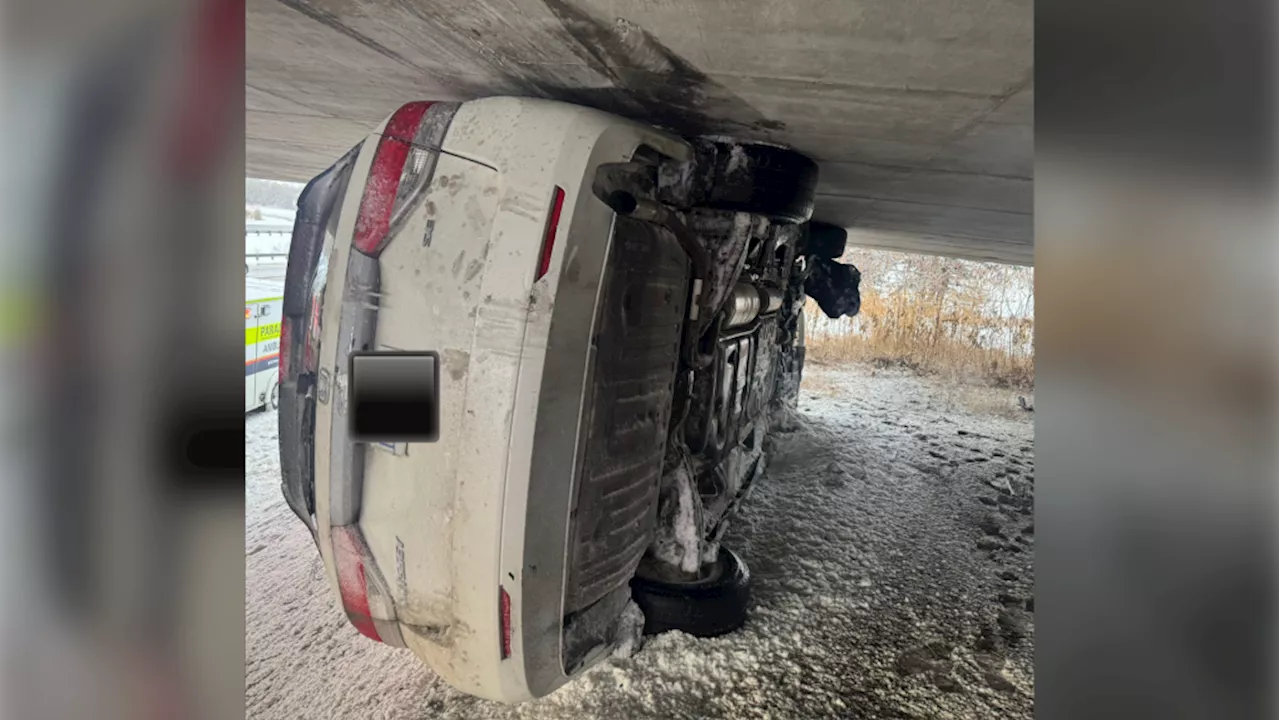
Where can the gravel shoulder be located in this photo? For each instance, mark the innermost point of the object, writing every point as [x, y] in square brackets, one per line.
[891, 546]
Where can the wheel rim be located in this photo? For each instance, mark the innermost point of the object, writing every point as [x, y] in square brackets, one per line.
[708, 573]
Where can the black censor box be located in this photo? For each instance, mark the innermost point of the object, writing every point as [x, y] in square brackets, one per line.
[393, 397]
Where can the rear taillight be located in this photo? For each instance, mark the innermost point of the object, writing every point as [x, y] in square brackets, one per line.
[549, 238]
[349, 559]
[504, 618]
[401, 168]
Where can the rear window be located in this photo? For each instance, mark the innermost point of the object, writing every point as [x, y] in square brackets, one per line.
[319, 208]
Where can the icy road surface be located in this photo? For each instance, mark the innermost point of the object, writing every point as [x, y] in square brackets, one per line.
[891, 548]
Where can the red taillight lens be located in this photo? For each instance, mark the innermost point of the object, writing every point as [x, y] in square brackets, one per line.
[549, 239]
[398, 175]
[348, 558]
[504, 616]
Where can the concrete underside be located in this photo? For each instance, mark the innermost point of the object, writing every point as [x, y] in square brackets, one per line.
[919, 113]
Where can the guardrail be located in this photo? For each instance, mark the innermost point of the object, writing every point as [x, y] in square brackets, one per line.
[257, 259]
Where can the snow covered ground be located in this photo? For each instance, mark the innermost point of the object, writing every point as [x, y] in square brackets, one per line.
[268, 272]
[271, 233]
[891, 550]
[268, 214]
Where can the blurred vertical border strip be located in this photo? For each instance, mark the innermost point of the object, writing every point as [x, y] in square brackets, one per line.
[124, 183]
[1156, 359]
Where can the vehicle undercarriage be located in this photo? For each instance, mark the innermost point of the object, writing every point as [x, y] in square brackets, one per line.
[735, 219]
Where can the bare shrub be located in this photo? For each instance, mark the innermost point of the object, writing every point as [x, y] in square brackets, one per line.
[967, 320]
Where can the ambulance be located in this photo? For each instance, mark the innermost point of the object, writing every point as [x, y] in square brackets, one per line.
[263, 305]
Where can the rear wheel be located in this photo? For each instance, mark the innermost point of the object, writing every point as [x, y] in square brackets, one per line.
[711, 605]
[762, 179]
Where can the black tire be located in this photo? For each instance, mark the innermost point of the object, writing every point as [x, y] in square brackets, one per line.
[827, 241]
[273, 398]
[761, 179]
[706, 608]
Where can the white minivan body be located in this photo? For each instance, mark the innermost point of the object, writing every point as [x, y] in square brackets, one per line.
[470, 551]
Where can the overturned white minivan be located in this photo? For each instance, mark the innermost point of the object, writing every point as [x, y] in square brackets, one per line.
[613, 314]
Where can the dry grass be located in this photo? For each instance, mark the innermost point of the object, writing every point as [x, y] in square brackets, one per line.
[983, 401]
[969, 322]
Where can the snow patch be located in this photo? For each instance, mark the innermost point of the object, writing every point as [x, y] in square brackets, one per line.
[737, 159]
[629, 636]
[784, 419]
[727, 140]
[680, 523]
